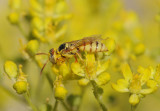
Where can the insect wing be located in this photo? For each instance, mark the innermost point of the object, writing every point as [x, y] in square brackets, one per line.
[86, 40]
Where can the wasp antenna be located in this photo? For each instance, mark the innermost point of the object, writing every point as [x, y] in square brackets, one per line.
[43, 67]
[41, 54]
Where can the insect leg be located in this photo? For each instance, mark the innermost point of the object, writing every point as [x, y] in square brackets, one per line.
[75, 58]
[79, 56]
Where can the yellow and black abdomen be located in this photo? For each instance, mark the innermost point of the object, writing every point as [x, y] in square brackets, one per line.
[93, 47]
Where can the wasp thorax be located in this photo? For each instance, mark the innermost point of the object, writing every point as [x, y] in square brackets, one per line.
[52, 56]
[61, 47]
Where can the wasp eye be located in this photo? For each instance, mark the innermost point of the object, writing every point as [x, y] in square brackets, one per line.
[62, 46]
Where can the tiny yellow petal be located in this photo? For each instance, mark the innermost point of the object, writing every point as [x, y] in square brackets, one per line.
[119, 88]
[127, 72]
[134, 99]
[151, 83]
[153, 71]
[102, 67]
[55, 70]
[123, 82]
[11, 69]
[147, 91]
[90, 60]
[77, 69]
[90, 66]
[145, 76]
[103, 78]
[64, 70]
[32, 47]
[37, 23]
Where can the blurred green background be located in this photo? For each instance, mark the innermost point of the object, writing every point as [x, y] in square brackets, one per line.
[90, 17]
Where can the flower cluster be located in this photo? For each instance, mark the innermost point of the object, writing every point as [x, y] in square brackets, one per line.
[17, 75]
[91, 68]
[43, 24]
[138, 85]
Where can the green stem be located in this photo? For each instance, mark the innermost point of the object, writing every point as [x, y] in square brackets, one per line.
[55, 105]
[133, 108]
[82, 94]
[27, 97]
[65, 106]
[95, 92]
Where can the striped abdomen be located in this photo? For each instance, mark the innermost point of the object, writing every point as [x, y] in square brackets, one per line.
[93, 47]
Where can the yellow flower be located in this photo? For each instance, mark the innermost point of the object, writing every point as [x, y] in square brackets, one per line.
[103, 78]
[20, 85]
[133, 83]
[59, 91]
[90, 65]
[91, 69]
[154, 81]
[76, 68]
[64, 70]
[11, 69]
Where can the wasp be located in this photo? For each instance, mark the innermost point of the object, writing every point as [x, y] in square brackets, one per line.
[71, 49]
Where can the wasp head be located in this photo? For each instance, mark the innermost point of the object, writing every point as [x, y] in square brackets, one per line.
[52, 57]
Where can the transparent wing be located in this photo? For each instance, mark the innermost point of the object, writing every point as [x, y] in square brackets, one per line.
[86, 40]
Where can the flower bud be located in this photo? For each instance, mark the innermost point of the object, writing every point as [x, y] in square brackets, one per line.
[64, 70]
[13, 18]
[32, 47]
[103, 78]
[11, 69]
[83, 82]
[37, 24]
[60, 92]
[134, 99]
[20, 87]
[139, 49]
[77, 69]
